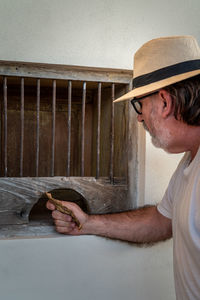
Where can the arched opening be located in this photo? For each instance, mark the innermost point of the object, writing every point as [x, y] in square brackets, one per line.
[40, 214]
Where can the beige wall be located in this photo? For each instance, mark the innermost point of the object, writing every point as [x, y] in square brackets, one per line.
[102, 33]
[86, 268]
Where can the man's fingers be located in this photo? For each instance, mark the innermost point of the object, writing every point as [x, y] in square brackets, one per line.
[60, 216]
[61, 223]
[50, 205]
[66, 230]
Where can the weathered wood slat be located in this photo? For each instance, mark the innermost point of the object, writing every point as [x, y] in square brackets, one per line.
[33, 230]
[38, 128]
[98, 130]
[69, 127]
[5, 125]
[18, 195]
[52, 71]
[22, 128]
[83, 131]
[53, 128]
[112, 135]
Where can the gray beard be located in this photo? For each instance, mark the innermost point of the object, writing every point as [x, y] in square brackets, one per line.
[158, 141]
[145, 126]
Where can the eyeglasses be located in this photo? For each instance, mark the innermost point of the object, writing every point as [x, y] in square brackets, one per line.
[137, 105]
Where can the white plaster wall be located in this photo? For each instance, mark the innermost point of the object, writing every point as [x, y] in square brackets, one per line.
[84, 268]
[102, 33]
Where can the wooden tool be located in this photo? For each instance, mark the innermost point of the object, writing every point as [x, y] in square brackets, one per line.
[64, 209]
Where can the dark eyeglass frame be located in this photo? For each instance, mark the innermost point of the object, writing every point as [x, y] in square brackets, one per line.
[134, 100]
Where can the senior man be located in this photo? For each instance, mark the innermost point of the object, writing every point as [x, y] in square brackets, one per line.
[166, 97]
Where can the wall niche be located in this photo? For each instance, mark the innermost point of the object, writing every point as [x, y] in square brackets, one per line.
[61, 132]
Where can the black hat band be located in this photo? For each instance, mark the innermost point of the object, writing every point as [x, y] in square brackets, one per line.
[166, 72]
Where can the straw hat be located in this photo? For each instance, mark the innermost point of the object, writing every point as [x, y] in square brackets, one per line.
[161, 62]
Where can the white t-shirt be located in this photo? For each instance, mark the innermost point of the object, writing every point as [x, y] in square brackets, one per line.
[181, 203]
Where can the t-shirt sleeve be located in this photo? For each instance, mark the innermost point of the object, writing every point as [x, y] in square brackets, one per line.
[165, 206]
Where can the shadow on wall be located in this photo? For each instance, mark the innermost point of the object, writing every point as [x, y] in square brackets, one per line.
[40, 214]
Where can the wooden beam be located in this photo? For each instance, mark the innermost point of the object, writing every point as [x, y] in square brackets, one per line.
[18, 195]
[65, 72]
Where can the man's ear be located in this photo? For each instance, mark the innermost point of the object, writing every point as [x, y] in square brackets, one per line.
[166, 103]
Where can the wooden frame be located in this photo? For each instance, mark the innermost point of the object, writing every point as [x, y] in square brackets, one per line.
[106, 194]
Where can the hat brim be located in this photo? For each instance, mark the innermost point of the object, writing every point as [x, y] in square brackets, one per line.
[152, 87]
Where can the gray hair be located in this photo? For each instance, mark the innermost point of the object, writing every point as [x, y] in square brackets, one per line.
[186, 100]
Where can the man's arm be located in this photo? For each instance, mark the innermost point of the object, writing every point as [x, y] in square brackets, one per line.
[144, 225]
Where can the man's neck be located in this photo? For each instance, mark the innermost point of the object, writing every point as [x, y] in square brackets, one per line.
[185, 138]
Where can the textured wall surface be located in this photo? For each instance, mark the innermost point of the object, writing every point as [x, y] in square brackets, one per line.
[90, 33]
[84, 268]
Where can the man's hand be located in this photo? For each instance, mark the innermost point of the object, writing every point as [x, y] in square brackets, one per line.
[64, 223]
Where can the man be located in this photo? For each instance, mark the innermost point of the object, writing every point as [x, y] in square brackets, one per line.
[166, 96]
